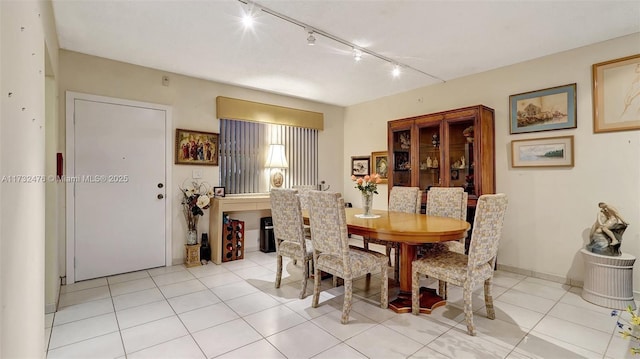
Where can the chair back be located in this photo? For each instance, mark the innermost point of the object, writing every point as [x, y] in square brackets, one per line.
[287, 216]
[405, 199]
[487, 229]
[447, 202]
[329, 225]
[303, 191]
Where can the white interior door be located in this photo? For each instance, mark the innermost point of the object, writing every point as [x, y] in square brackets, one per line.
[120, 189]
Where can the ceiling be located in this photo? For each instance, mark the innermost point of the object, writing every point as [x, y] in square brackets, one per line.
[447, 39]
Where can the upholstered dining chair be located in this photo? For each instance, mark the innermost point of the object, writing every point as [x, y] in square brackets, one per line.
[448, 202]
[332, 253]
[467, 270]
[401, 199]
[288, 228]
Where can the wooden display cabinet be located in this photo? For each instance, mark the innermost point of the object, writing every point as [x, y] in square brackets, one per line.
[453, 148]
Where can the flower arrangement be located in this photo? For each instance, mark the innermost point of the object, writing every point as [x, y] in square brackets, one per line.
[196, 197]
[367, 184]
[629, 327]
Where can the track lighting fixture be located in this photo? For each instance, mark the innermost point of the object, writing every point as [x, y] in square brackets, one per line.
[357, 54]
[396, 70]
[311, 38]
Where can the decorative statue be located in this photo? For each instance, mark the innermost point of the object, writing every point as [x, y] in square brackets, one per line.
[606, 232]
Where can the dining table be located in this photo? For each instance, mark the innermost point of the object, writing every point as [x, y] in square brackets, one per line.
[410, 230]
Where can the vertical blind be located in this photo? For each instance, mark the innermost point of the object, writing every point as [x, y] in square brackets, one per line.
[243, 150]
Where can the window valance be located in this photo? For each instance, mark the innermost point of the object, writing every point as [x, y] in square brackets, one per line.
[232, 108]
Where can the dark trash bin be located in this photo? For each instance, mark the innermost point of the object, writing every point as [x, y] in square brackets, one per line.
[267, 239]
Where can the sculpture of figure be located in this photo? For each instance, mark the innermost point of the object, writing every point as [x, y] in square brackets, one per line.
[429, 162]
[606, 232]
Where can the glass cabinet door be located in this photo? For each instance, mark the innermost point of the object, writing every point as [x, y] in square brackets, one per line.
[401, 145]
[429, 155]
[460, 159]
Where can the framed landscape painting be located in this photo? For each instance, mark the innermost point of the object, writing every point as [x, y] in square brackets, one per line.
[543, 110]
[196, 148]
[616, 95]
[542, 152]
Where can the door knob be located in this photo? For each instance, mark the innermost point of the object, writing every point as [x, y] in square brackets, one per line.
[160, 196]
[160, 185]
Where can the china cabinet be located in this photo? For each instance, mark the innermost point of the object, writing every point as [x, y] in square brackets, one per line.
[454, 148]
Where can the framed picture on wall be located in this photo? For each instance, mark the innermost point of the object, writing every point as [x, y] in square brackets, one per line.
[543, 110]
[196, 148]
[380, 164]
[218, 192]
[360, 166]
[616, 95]
[542, 152]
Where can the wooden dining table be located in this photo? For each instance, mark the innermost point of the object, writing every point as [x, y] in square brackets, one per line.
[410, 230]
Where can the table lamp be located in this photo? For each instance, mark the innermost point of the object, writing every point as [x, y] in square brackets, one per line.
[276, 161]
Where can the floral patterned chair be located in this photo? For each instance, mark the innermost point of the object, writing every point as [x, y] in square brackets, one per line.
[449, 202]
[401, 199]
[468, 270]
[332, 253]
[289, 233]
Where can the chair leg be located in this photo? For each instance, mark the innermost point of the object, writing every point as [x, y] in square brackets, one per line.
[467, 293]
[348, 294]
[415, 292]
[305, 275]
[384, 291]
[316, 283]
[278, 271]
[488, 299]
[442, 289]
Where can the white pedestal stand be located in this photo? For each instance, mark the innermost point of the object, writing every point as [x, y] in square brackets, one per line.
[608, 280]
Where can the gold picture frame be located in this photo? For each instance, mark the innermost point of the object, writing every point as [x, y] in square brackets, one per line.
[380, 164]
[196, 148]
[616, 95]
[543, 152]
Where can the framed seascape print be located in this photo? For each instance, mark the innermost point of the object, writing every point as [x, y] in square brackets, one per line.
[360, 166]
[543, 110]
[542, 152]
[380, 164]
[218, 192]
[196, 148]
[616, 95]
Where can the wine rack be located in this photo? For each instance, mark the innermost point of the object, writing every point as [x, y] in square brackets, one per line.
[233, 240]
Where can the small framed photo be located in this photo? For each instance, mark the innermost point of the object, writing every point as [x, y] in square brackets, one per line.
[360, 166]
[196, 148]
[218, 192]
[380, 164]
[543, 110]
[542, 152]
[455, 175]
[616, 104]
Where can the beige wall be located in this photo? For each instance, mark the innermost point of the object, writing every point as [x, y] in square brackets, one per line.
[193, 107]
[550, 210]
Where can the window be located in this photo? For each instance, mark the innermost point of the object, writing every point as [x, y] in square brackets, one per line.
[243, 151]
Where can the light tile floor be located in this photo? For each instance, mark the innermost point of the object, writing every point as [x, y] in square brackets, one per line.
[233, 311]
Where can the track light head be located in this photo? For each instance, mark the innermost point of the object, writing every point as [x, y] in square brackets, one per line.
[396, 70]
[311, 40]
[357, 54]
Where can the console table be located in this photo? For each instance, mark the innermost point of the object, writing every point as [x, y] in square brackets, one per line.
[221, 205]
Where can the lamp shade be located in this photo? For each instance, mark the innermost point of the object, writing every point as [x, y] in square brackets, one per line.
[276, 157]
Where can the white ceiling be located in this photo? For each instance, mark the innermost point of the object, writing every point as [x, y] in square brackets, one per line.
[449, 39]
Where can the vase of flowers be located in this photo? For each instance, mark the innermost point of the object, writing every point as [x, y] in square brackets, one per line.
[368, 186]
[196, 197]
